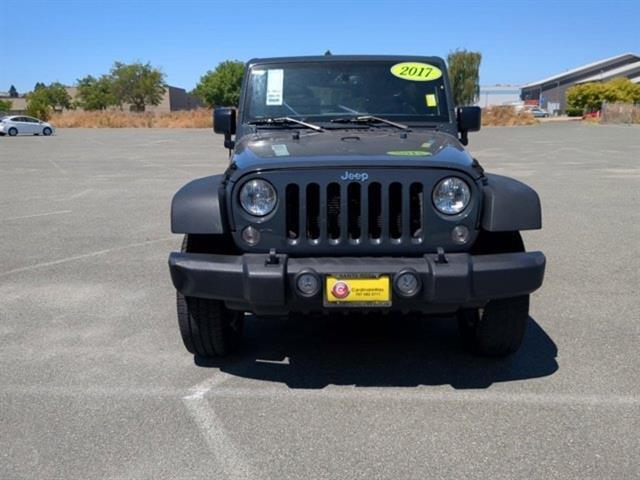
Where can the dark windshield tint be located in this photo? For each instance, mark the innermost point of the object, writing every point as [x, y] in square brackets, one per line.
[325, 90]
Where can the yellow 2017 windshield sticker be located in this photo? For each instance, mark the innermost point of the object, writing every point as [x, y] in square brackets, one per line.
[416, 72]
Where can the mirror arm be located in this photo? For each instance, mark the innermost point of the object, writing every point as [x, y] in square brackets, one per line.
[464, 137]
[228, 143]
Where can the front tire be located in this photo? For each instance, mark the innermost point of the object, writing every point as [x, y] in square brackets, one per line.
[13, 131]
[208, 328]
[46, 131]
[498, 329]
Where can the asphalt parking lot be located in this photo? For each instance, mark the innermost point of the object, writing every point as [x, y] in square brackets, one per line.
[95, 382]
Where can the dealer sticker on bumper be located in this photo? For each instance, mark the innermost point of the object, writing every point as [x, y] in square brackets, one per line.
[357, 291]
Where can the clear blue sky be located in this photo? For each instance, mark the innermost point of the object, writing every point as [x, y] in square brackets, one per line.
[520, 41]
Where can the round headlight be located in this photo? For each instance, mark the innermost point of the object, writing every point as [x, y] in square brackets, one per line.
[258, 197]
[451, 195]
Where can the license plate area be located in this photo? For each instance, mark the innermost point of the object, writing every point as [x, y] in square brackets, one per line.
[357, 290]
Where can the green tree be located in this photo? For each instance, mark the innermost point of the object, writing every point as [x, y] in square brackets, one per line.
[38, 104]
[5, 105]
[590, 96]
[96, 93]
[138, 84]
[464, 74]
[44, 99]
[13, 93]
[38, 86]
[57, 95]
[585, 97]
[621, 89]
[221, 86]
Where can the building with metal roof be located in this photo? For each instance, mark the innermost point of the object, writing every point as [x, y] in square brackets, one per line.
[550, 92]
[631, 71]
[492, 95]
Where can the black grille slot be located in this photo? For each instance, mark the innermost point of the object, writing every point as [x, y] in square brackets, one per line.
[354, 225]
[416, 206]
[336, 213]
[375, 210]
[313, 211]
[395, 210]
[293, 211]
[333, 211]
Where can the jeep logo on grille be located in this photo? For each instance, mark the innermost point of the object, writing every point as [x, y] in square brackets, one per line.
[360, 177]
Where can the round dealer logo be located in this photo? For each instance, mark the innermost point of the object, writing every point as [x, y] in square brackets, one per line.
[340, 290]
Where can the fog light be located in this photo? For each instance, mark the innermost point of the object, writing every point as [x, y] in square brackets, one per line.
[407, 283]
[251, 235]
[460, 235]
[308, 284]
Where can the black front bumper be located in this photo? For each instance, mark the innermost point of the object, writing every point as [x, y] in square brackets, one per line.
[264, 285]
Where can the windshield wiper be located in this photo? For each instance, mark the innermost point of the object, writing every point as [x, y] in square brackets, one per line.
[369, 119]
[284, 121]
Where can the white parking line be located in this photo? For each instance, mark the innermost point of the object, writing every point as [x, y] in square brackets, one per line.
[228, 457]
[85, 255]
[429, 395]
[57, 212]
[210, 389]
[92, 391]
[80, 194]
[233, 466]
[57, 198]
[58, 167]
[202, 389]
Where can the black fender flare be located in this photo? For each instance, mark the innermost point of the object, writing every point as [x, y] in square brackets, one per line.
[198, 207]
[509, 205]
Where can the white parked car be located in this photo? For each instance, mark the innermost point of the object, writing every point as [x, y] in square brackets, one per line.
[13, 125]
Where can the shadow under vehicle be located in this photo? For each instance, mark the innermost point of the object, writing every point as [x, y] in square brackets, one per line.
[376, 351]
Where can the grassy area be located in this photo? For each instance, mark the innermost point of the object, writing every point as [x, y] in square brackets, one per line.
[506, 116]
[200, 118]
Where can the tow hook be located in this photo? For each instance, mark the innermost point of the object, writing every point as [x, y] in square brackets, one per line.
[272, 259]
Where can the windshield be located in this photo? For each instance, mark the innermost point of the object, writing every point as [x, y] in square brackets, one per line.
[321, 91]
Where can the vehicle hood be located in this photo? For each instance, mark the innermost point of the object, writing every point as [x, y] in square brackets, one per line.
[286, 149]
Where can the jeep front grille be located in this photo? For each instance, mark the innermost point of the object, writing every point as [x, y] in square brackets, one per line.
[354, 213]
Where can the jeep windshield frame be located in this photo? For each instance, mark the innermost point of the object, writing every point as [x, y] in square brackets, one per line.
[320, 91]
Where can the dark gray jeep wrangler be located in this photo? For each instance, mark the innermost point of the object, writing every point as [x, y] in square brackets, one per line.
[349, 189]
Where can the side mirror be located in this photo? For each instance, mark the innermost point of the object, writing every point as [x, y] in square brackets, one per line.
[469, 120]
[224, 121]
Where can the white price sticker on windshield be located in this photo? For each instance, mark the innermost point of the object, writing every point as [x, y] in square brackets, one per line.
[275, 84]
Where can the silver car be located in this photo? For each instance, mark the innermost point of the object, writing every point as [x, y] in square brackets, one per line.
[13, 125]
[538, 112]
